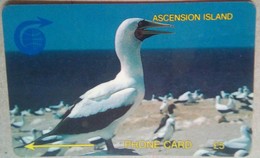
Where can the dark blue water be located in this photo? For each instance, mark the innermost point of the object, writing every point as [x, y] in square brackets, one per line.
[45, 79]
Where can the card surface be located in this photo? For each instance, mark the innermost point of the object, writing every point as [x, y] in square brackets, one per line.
[130, 78]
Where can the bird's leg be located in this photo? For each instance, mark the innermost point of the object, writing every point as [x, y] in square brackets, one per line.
[110, 146]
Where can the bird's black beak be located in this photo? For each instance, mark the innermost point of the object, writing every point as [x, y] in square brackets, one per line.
[142, 31]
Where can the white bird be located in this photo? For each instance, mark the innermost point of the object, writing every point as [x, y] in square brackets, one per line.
[14, 111]
[153, 98]
[101, 109]
[164, 106]
[47, 109]
[45, 131]
[26, 112]
[234, 145]
[167, 126]
[170, 96]
[18, 124]
[166, 132]
[243, 95]
[39, 112]
[28, 139]
[203, 152]
[242, 143]
[57, 107]
[238, 92]
[225, 109]
[186, 97]
[224, 94]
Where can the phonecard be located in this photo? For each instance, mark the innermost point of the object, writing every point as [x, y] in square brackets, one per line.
[106, 79]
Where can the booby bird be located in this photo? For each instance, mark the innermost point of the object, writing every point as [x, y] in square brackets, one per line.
[224, 94]
[242, 143]
[164, 106]
[167, 126]
[170, 96]
[26, 112]
[203, 152]
[57, 107]
[14, 111]
[28, 139]
[238, 92]
[186, 97]
[18, 124]
[39, 112]
[101, 109]
[153, 98]
[224, 109]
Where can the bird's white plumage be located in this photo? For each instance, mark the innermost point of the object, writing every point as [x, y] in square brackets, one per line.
[90, 107]
[164, 106]
[39, 112]
[222, 107]
[127, 89]
[243, 142]
[18, 124]
[14, 111]
[166, 132]
[241, 153]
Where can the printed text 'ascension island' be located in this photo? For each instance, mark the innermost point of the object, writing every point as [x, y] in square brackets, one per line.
[192, 17]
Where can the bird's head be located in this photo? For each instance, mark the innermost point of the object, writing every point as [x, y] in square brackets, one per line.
[245, 130]
[140, 29]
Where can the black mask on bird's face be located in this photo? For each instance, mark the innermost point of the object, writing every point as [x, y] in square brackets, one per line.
[142, 33]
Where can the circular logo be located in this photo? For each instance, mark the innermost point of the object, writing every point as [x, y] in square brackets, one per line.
[33, 41]
[28, 36]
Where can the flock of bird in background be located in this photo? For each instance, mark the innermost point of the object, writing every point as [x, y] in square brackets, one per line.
[238, 147]
[235, 147]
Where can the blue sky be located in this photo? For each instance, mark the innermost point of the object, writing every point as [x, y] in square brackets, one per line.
[93, 26]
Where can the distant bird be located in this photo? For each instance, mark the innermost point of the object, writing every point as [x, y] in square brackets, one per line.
[27, 139]
[163, 98]
[53, 151]
[47, 109]
[101, 109]
[243, 96]
[57, 107]
[39, 112]
[238, 92]
[167, 126]
[224, 109]
[45, 131]
[153, 98]
[170, 96]
[164, 106]
[203, 152]
[18, 124]
[26, 112]
[251, 96]
[224, 94]
[187, 97]
[196, 95]
[234, 145]
[14, 111]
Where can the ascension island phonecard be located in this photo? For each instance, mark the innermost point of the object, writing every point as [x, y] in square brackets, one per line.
[130, 78]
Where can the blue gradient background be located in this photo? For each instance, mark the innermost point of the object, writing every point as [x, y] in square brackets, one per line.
[93, 26]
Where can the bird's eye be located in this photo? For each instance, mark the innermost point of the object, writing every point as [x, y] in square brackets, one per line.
[142, 24]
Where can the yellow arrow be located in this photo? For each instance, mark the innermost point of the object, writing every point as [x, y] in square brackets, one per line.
[32, 146]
